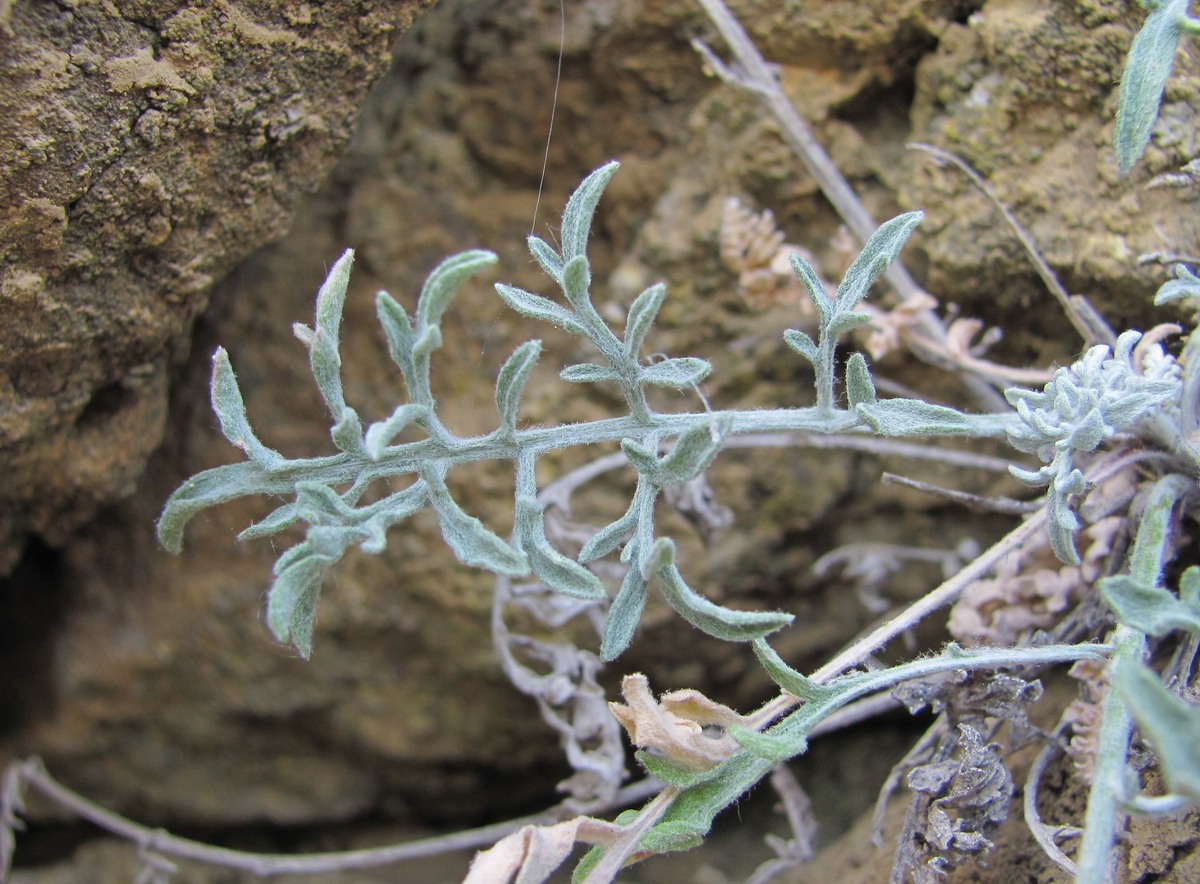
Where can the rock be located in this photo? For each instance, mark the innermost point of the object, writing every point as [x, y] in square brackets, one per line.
[168, 701]
[148, 148]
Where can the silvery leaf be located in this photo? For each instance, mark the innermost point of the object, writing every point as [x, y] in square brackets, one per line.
[231, 412]
[577, 217]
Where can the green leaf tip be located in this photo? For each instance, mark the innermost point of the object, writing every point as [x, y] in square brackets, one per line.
[880, 250]
[577, 217]
[1152, 609]
[1171, 724]
[549, 565]
[510, 383]
[444, 282]
[1147, 69]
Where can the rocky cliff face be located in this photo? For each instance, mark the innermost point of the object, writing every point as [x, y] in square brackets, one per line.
[156, 688]
[148, 148]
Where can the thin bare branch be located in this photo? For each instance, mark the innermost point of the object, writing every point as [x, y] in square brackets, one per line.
[1005, 505]
[751, 72]
[1090, 325]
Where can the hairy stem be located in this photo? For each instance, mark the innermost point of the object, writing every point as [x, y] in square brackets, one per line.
[1104, 818]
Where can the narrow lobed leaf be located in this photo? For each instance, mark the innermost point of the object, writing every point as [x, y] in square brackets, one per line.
[847, 322]
[577, 217]
[661, 555]
[719, 622]
[347, 433]
[510, 383]
[1185, 285]
[323, 344]
[802, 344]
[644, 458]
[537, 307]
[1172, 725]
[397, 327]
[292, 601]
[610, 536]
[901, 418]
[772, 747]
[788, 678]
[588, 373]
[381, 433]
[1147, 69]
[1153, 610]
[210, 488]
[680, 373]
[472, 543]
[283, 517]
[444, 282]
[812, 284]
[549, 565]
[881, 249]
[549, 260]
[695, 450]
[860, 389]
[624, 615]
[230, 409]
[642, 313]
[666, 771]
[577, 281]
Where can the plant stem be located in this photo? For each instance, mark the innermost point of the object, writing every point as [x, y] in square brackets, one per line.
[1104, 819]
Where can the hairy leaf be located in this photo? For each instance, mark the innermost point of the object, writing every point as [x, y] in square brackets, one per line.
[537, 307]
[1153, 609]
[283, 517]
[772, 747]
[860, 389]
[813, 285]
[788, 678]
[577, 217]
[914, 417]
[444, 282]
[1146, 72]
[1185, 285]
[666, 837]
[666, 771]
[680, 373]
[347, 433]
[292, 600]
[323, 341]
[610, 536]
[881, 250]
[642, 313]
[380, 434]
[694, 451]
[623, 616]
[723, 623]
[210, 488]
[577, 280]
[231, 412]
[549, 565]
[644, 458]
[549, 260]
[588, 373]
[802, 344]
[510, 383]
[1171, 724]
[473, 544]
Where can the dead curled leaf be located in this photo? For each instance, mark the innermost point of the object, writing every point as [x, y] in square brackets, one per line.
[754, 249]
[684, 727]
[532, 853]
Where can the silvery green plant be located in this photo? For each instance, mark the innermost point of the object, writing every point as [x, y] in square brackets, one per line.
[1085, 404]
[1100, 395]
[664, 449]
[1147, 69]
